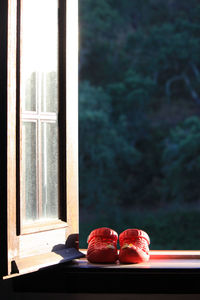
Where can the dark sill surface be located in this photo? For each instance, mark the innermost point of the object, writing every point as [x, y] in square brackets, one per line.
[79, 276]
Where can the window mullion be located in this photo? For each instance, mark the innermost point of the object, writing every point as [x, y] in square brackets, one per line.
[43, 152]
[39, 147]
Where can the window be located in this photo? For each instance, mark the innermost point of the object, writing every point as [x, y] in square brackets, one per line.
[39, 128]
[31, 226]
[38, 112]
[139, 120]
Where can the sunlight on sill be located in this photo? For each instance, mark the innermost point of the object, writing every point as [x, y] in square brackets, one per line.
[169, 254]
[159, 259]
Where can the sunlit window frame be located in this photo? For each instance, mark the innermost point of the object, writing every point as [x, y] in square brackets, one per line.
[40, 239]
[9, 128]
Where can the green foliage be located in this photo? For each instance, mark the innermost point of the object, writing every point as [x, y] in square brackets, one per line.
[166, 51]
[105, 154]
[181, 162]
[168, 229]
[157, 39]
[132, 97]
[139, 86]
[100, 24]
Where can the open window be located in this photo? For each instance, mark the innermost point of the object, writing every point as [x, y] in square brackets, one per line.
[39, 130]
[39, 144]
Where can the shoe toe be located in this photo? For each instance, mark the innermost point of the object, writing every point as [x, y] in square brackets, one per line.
[132, 254]
[106, 254]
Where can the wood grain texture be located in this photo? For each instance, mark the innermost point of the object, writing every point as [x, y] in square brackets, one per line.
[45, 225]
[11, 132]
[3, 134]
[35, 263]
[44, 237]
[62, 111]
[72, 114]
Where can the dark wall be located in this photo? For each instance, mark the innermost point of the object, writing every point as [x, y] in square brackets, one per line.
[8, 294]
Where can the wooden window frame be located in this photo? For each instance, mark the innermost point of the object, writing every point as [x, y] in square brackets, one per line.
[56, 279]
[44, 116]
[17, 244]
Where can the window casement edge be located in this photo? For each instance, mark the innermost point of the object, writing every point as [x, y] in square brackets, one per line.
[72, 114]
[3, 133]
[14, 243]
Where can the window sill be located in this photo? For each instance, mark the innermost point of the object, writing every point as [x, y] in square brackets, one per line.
[175, 272]
[158, 260]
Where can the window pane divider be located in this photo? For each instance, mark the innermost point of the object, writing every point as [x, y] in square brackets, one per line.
[43, 225]
[41, 116]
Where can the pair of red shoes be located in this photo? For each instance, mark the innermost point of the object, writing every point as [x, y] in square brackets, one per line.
[102, 246]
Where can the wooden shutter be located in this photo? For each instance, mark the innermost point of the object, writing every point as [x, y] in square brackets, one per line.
[44, 243]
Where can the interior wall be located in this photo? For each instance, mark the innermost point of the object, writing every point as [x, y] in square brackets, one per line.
[8, 294]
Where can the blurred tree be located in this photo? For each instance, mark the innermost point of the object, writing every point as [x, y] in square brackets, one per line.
[169, 52]
[106, 157]
[181, 162]
[99, 28]
[135, 57]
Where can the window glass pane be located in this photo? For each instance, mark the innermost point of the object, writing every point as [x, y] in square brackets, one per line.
[49, 95]
[39, 51]
[29, 103]
[29, 193]
[49, 170]
[39, 95]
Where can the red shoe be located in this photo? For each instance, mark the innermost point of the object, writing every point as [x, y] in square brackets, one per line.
[134, 246]
[102, 246]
